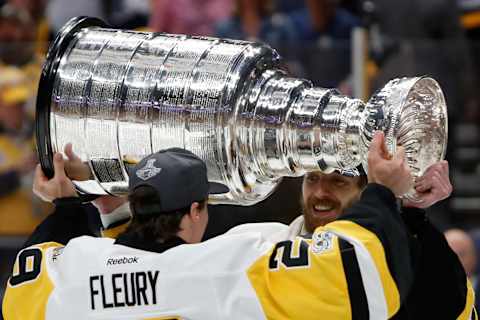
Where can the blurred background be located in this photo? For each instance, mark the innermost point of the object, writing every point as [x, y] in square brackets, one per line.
[354, 45]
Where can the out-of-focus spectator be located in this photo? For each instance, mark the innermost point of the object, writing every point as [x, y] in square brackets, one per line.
[190, 17]
[470, 20]
[17, 36]
[60, 11]
[129, 14]
[14, 94]
[323, 18]
[282, 23]
[352, 6]
[36, 10]
[257, 20]
[286, 6]
[462, 244]
[17, 156]
[324, 32]
[18, 48]
[426, 38]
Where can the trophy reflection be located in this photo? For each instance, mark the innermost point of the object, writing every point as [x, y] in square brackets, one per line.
[118, 96]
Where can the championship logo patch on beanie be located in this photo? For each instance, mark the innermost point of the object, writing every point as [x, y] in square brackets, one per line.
[148, 171]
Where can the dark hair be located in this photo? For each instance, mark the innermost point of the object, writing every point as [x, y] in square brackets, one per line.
[148, 222]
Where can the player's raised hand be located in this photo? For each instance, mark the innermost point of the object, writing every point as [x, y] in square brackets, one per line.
[75, 168]
[60, 186]
[390, 171]
[433, 186]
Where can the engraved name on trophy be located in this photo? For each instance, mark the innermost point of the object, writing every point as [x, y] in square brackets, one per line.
[118, 96]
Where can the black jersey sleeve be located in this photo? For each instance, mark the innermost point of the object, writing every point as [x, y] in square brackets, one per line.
[378, 211]
[70, 219]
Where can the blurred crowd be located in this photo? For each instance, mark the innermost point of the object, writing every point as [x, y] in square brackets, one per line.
[439, 38]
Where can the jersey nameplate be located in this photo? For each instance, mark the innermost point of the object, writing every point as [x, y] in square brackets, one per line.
[125, 289]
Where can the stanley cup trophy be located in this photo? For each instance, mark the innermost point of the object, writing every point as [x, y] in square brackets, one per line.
[118, 96]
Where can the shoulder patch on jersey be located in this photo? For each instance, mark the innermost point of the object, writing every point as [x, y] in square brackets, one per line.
[321, 242]
[56, 252]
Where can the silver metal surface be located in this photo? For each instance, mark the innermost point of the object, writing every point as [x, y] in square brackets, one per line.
[121, 95]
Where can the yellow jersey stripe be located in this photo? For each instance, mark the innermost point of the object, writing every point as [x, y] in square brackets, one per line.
[315, 291]
[468, 310]
[33, 294]
[374, 268]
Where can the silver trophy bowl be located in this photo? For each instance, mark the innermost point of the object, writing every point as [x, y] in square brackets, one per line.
[119, 95]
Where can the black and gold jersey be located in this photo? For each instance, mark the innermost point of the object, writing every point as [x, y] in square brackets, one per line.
[358, 267]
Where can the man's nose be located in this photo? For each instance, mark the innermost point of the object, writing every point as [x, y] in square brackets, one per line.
[322, 188]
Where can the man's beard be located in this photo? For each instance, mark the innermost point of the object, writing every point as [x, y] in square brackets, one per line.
[329, 210]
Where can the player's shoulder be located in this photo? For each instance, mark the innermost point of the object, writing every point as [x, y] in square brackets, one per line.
[43, 246]
[265, 229]
[79, 246]
[87, 246]
[240, 246]
[83, 241]
[76, 249]
[78, 241]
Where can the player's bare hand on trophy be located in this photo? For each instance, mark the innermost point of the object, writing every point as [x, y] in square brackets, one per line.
[391, 171]
[433, 186]
[75, 168]
[60, 186]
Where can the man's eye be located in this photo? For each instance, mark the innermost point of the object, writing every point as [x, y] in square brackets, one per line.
[312, 178]
[340, 183]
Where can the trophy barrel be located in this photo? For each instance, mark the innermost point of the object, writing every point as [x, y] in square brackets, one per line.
[118, 96]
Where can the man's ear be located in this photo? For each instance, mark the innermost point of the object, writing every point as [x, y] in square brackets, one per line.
[195, 211]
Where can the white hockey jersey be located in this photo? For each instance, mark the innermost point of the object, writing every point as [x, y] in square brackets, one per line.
[344, 271]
